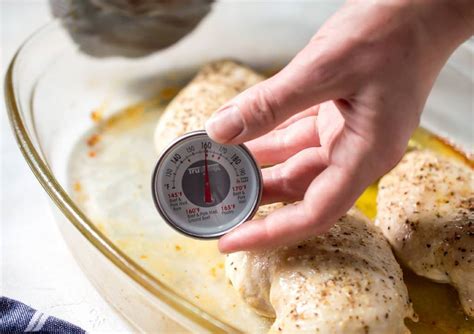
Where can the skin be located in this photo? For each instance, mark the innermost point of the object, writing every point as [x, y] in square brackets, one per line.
[340, 114]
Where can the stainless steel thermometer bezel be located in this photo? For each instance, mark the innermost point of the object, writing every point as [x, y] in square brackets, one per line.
[170, 221]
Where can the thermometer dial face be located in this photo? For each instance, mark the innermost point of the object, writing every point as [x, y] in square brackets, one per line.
[205, 189]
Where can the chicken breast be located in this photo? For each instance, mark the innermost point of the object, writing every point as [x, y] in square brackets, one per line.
[426, 211]
[345, 281]
[214, 85]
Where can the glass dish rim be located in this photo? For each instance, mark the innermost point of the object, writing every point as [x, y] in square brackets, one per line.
[79, 220]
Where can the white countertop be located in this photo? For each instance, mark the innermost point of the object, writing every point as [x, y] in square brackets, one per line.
[37, 267]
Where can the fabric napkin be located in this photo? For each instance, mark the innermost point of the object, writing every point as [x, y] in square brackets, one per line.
[16, 317]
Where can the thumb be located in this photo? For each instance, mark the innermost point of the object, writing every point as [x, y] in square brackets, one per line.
[304, 82]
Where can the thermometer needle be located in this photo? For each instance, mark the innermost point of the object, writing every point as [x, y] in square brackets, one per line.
[207, 184]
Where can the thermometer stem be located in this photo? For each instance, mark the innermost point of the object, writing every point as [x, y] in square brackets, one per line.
[207, 184]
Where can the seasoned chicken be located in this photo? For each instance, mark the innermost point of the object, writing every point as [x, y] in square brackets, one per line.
[345, 281]
[214, 85]
[426, 211]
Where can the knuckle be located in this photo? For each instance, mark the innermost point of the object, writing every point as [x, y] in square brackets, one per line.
[285, 176]
[270, 232]
[262, 106]
[311, 213]
[292, 183]
[284, 143]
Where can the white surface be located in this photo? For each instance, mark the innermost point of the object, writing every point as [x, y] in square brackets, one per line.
[36, 265]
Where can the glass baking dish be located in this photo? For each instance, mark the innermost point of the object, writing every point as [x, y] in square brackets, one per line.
[52, 91]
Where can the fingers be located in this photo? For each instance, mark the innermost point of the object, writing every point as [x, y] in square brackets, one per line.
[305, 82]
[278, 145]
[284, 226]
[329, 197]
[287, 182]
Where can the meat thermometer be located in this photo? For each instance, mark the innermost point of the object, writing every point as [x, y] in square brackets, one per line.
[204, 189]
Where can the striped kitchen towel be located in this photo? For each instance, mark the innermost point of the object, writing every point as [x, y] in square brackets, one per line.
[16, 317]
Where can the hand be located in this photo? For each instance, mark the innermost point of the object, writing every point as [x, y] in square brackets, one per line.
[375, 62]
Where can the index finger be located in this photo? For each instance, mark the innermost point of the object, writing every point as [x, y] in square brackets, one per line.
[305, 82]
[329, 197]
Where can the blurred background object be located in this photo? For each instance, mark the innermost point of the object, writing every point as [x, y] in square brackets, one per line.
[130, 28]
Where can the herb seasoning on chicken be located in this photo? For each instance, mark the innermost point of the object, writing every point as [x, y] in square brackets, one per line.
[344, 281]
[426, 211]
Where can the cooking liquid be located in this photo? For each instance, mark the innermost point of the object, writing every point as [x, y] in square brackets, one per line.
[110, 181]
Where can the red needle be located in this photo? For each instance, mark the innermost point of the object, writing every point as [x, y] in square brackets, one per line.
[207, 184]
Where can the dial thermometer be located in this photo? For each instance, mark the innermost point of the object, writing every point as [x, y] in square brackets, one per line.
[205, 189]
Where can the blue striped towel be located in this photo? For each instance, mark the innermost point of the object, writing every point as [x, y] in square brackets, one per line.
[16, 317]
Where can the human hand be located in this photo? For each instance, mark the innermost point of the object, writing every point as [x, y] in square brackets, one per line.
[375, 63]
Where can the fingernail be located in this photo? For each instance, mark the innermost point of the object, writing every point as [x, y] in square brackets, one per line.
[225, 124]
[225, 247]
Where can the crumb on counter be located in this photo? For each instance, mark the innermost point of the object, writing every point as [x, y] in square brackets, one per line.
[143, 257]
[92, 154]
[177, 247]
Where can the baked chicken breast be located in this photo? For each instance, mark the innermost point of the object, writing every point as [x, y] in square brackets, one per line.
[426, 211]
[345, 281]
[215, 84]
